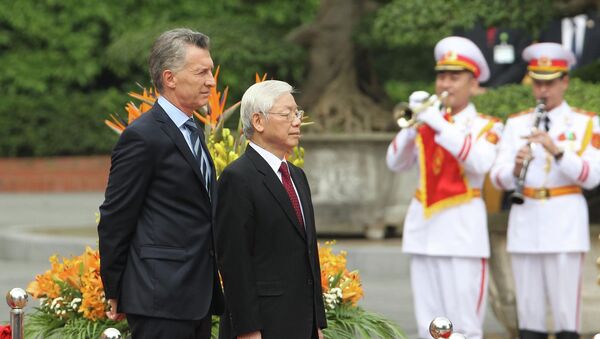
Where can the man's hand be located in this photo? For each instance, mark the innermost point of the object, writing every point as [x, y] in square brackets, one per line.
[523, 154]
[320, 333]
[112, 313]
[433, 117]
[542, 138]
[252, 335]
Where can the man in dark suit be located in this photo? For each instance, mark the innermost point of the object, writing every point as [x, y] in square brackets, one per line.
[156, 227]
[266, 238]
[579, 34]
[502, 48]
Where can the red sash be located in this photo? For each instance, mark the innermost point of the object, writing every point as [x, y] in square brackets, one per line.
[442, 183]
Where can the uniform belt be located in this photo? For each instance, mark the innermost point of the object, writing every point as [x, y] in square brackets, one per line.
[545, 193]
[476, 194]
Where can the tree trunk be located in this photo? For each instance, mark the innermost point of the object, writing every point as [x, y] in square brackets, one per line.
[331, 92]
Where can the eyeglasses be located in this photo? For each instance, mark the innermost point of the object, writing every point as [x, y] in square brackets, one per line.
[291, 115]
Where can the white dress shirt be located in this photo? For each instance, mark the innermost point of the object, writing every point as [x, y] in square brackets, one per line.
[274, 162]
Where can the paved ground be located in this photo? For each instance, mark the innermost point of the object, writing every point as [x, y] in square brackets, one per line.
[384, 269]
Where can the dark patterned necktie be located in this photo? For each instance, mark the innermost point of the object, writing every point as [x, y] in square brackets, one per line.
[289, 188]
[199, 153]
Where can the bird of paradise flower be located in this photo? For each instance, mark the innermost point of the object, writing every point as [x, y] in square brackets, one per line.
[213, 118]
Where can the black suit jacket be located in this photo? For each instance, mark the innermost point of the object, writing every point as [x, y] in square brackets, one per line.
[591, 40]
[156, 225]
[270, 270]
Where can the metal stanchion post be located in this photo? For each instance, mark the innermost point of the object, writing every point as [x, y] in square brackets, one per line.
[111, 333]
[17, 300]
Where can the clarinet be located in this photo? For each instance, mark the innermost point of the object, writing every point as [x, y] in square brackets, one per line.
[539, 113]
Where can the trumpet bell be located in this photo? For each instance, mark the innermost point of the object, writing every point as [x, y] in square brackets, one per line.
[403, 115]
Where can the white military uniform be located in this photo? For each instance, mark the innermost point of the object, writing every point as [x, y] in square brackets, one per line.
[548, 234]
[554, 225]
[449, 268]
[449, 248]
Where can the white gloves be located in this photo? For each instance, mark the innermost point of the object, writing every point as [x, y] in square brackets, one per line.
[416, 99]
[433, 117]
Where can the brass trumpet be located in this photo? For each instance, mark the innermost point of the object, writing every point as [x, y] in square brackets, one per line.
[406, 116]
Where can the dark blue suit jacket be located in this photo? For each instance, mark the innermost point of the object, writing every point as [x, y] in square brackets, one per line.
[156, 226]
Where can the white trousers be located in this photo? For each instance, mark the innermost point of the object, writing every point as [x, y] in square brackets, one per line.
[452, 287]
[555, 277]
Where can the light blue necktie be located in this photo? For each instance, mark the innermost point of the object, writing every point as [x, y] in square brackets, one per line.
[199, 153]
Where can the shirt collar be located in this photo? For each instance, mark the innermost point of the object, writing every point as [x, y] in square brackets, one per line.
[273, 161]
[466, 113]
[559, 111]
[177, 115]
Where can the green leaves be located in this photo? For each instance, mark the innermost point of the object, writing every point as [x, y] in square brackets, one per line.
[412, 22]
[347, 322]
[510, 99]
[44, 325]
[68, 64]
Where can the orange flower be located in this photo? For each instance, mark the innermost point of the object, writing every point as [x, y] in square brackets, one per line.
[335, 274]
[258, 79]
[82, 273]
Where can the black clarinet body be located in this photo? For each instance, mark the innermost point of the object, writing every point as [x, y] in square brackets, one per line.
[540, 114]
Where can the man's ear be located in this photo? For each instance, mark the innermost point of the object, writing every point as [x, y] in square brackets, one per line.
[258, 122]
[168, 78]
[474, 85]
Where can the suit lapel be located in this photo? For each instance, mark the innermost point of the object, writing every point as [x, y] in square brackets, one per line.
[174, 133]
[305, 201]
[274, 186]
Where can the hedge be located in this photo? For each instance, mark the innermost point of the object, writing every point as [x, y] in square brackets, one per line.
[506, 100]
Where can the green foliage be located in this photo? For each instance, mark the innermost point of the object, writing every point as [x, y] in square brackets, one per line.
[414, 22]
[506, 100]
[69, 65]
[44, 325]
[348, 322]
[402, 33]
[57, 123]
[399, 91]
[589, 72]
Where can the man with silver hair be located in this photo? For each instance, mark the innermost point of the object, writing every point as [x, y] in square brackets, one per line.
[266, 238]
[156, 226]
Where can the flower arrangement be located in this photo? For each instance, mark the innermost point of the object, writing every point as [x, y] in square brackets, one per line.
[224, 145]
[71, 297]
[342, 290]
[72, 303]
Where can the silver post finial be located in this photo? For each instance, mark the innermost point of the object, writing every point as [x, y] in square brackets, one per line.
[16, 298]
[440, 327]
[111, 333]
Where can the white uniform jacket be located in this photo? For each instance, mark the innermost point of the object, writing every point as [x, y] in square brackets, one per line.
[560, 223]
[460, 230]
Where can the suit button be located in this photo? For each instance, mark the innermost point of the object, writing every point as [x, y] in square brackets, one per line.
[211, 253]
[309, 281]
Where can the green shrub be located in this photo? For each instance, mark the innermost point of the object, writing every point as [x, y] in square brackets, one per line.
[68, 64]
[509, 99]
